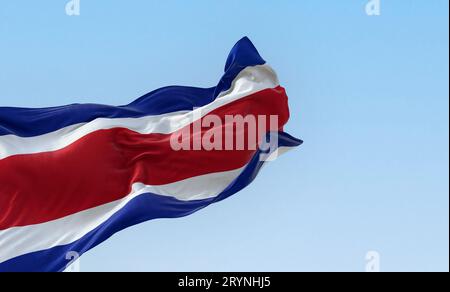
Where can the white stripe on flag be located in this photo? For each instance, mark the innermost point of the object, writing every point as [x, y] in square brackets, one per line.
[249, 81]
[16, 241]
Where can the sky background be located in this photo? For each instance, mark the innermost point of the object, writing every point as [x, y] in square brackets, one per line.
[368, 95]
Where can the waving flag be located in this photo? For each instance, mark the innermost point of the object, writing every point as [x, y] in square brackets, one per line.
[72, 176]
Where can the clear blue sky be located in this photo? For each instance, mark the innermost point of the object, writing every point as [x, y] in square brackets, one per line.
[369, 95]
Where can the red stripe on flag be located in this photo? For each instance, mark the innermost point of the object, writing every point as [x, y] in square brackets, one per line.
[102, 166]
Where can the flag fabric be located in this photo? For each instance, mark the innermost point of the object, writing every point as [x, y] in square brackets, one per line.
[72, 176]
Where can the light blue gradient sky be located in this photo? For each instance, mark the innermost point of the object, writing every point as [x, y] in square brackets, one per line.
[369, 95]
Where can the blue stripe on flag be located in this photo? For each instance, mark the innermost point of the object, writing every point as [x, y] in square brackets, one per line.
[142, 208]
[26, 122]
